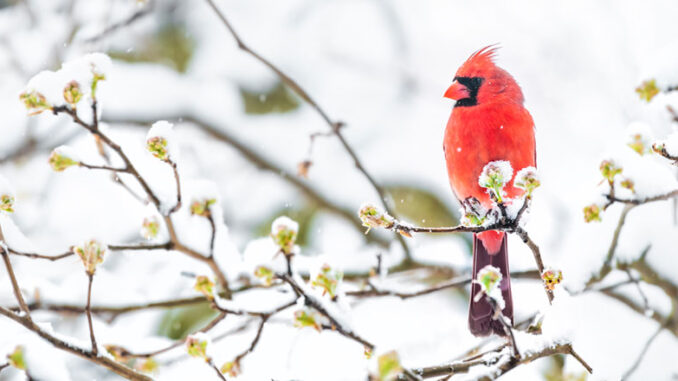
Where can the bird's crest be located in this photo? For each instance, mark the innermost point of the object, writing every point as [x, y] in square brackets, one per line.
[479, 63]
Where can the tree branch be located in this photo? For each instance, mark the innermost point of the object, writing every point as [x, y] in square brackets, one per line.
[312, 302]
[334, 126]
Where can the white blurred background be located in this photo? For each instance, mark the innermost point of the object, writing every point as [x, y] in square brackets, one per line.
[381, 67]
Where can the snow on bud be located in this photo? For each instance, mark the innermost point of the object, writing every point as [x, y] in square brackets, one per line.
[373, 217]
[202, 207]
[196, 345]
[494, 176]
[307, 318]
[489, 278]
[91, 254]
[68, 85]
[389, 366]
[150, 227]
[17, 358]
[328, 280]
[72, 93]
[6, 196]
[265, 274]
[160, 141]
[34, 102]
[284, 233]
[592, 213]
[62, 157]
[90, 69]
[647, 90]
[527, 180]
[205, 286]
[551, 278]
[609, 170]
[639, 137]
[473, 213]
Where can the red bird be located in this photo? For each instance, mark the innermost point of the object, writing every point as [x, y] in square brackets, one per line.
[488, 123]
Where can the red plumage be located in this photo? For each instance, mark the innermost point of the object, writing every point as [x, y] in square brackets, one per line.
[488, 123]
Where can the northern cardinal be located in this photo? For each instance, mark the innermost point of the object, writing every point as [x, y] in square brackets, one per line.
[488, 123]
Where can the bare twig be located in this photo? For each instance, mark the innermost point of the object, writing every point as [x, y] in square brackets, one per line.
[41, 256]
[178, 183]
[103, 167]
[639, 201]
[642, 353]
[216, 369]
[10, 272]
[497, 315]
[607, 264]
[123, 23]
[88, 311]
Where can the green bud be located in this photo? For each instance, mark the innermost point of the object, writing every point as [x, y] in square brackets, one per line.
[157, 146]
[205, 286]
[527, 180]
[609, 170]
[35, 102]
[284, 233]
[91, 254]
[552, 278]
[592, 213]
[647, 90]
[306, 318]
[7, 203]
[488, 278]
[328, 280]
[59, 161]
[628, 184]
[265, 274]
[72, 93]
[202, 207]
[373, 217]
[389, 366]
[196, 346]
[17, 358]
[150, 227]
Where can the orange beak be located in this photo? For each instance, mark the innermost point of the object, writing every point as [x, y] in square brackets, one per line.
[457, 91]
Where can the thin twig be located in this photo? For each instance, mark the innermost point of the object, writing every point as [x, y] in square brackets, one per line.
[88, 311]
[41, 256]
[642, 353]
[497, 315]
[311, 301]
[15, 285]
[607, 264]
[334, 126]
[103, 167]
[123, 23]
[178, 184]
[216, 369]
